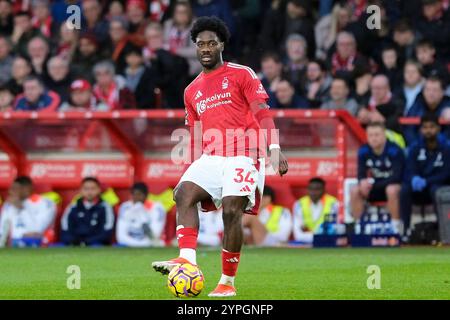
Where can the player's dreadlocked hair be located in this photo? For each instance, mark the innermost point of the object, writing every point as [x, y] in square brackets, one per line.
[212, 24]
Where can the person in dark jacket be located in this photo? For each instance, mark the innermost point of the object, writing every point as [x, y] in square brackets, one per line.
[35, 97]
[287, 98]
[89, 220]
[428, 167]
[432, 100]
[140, 79]
[434, 24]
[59, 77]
[380, 172]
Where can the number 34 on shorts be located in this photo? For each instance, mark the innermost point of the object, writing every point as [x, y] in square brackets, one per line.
[244, 180]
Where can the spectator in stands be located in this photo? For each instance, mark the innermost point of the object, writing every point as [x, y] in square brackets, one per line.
[311, 210]
[59, 77]
[177, 36]
[340, 97]
[426, 55]
[273, 224]
[82, 98]
[94, 23]
[271, 69]
[346, 61]
[171, 69]
[297, 61]
[140, 79]
[36, 98]
[110, 89]
[86, 56]
[136, 10]
[141, 221]
[432, 100]
[362, 87]
[6, 99]
[6, 59]
[119, 42]
[39, 54]
[115, 9]
[219, 8]
[25, 216]
[89, 220]
[286, 98]
[412, 85]
[23, 32]
[318, 83]
[210, 231]
[428, 167]
[380, 172]
[327, 28]
[434, 24]
[405, 39]
[68, 42]
[382, 105]
[6, 18]
[42, 19]
[20, 70]
[296, 17]
[390, 66]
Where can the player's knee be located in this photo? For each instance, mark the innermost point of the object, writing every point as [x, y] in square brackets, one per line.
[232, 214]
[183, 198]
[393, 191]
[354, 192]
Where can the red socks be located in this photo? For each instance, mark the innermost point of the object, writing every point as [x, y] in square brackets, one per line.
[187, 238]
[230, 262]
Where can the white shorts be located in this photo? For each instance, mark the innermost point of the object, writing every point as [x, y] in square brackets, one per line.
[226, 176]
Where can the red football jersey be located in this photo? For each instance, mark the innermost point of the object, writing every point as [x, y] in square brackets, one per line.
[221, 101]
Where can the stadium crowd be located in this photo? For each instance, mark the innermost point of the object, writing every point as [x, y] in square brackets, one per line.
[137, 54]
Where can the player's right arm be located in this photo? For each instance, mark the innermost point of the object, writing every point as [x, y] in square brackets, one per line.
[193, 122]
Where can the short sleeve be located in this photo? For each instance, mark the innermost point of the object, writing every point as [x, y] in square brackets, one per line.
[252, 87]
[191, 115]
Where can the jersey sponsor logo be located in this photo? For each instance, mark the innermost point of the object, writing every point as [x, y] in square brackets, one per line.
[225, 83]
[204, 104]
[198, 95]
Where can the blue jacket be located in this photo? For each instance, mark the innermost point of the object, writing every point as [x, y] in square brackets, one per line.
[91, 226]
[48, 101]
[432, 165]
[418, 109]
[386, 168]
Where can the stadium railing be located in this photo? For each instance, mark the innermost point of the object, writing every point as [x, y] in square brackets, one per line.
[120, 147]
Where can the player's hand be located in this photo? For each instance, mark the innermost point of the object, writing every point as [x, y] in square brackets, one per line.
[279, 161]
[365, 187]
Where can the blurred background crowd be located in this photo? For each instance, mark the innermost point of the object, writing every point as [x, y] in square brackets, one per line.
[137, 54]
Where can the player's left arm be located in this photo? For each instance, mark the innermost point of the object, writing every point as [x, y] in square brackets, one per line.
[262, 114]
[256, 98]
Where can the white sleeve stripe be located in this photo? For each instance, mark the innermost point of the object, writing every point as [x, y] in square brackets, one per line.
[65, 217]
[109, 219]
[238, 66]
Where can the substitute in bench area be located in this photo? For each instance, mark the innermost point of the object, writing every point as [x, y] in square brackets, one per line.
[89, 220]
[25, 216]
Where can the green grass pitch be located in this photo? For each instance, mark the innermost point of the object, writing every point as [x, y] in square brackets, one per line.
[278, 273]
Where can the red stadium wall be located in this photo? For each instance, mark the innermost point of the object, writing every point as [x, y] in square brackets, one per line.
[58, 149]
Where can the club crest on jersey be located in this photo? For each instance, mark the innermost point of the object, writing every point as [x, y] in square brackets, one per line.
[225, 83]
